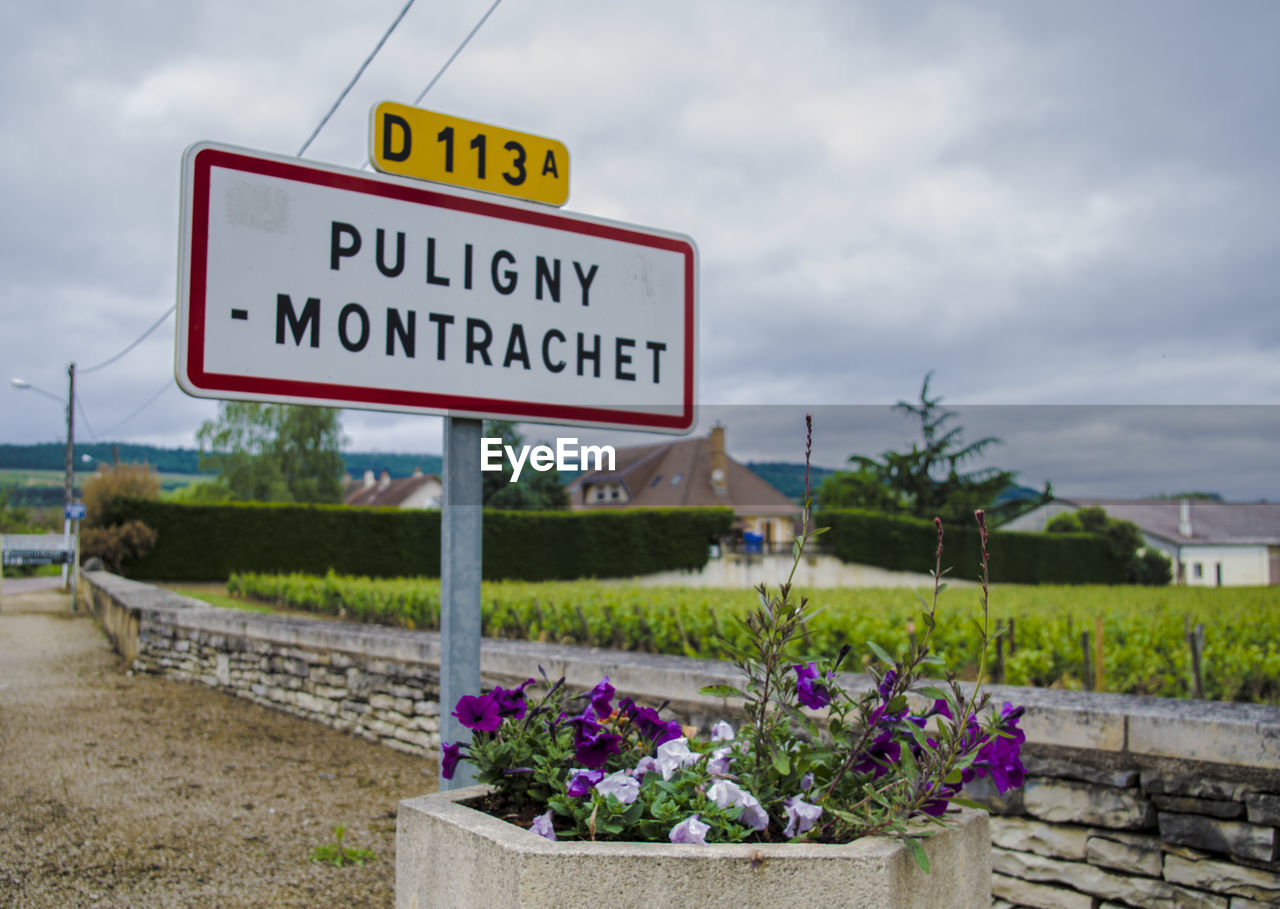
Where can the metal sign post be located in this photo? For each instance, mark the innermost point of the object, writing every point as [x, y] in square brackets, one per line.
[460, 552]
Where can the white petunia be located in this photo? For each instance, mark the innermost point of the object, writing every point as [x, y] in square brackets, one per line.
[621, 786]
[726, 794]
[673, 755]
[800, 816]
[690, 830]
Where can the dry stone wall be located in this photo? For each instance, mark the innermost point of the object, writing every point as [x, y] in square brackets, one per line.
[1129, 802]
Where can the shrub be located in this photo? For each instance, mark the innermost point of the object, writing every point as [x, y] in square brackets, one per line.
[212, 541]
[116, 543]
[896, 543]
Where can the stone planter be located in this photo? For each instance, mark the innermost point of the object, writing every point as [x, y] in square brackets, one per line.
[449, 855]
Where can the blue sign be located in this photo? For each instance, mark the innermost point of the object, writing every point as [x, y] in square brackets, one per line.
[75, 512]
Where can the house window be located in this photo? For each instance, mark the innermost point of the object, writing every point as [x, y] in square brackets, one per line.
[1197, 570]
[597, 493]
[615, 492]
[656, 481]
[675, 481]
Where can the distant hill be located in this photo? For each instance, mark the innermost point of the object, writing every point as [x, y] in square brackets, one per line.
[51, 455]
[786, 478]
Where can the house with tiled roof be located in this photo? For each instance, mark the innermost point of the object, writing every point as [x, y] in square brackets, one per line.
[690, 473]
[422, 490]
[1211, 544]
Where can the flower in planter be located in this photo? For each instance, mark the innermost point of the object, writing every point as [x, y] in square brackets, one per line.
[800, 816]
[620, 785]
[481, 714]
[886, 759]
[690, 830]
[542, 825]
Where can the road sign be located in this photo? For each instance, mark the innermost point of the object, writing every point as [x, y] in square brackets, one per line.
[310, 284]
[414, 142]
[74, 512]
[36, 549]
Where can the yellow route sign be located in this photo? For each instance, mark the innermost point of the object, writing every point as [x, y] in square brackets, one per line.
[428, 145]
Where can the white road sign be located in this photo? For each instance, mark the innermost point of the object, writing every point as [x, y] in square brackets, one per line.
[310, 284]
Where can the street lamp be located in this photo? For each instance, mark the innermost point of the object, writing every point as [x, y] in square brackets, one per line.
[69, 479]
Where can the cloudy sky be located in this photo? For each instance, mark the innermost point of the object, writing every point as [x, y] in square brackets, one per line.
[1069, 211]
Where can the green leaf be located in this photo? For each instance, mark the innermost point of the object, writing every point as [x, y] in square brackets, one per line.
[966, 803]
[722, 691]
[781, 762]
[879, 652]
[918, 853]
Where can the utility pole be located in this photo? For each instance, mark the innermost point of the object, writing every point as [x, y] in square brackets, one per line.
[68, 491]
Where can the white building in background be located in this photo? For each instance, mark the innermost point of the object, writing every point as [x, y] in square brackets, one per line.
[1211, 544]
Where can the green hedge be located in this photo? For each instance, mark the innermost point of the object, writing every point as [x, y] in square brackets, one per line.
[909, 544]
[212, 541]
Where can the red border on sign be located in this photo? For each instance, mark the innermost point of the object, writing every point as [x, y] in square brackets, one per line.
[397, 399]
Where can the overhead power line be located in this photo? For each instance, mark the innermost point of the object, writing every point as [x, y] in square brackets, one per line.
[369, 59]
[151, 400]
[436, 78]
[465, 42]
[160, 321]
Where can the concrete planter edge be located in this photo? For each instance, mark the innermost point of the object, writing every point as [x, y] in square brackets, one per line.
[450, 855]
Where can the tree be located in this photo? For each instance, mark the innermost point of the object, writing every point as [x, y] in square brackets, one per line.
[926, 481]
[1143, 565]
[536, 490]
[274, 452]
[111, 484]
[14, 518]
[113, 542]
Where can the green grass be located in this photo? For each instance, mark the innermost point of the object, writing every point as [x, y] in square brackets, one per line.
[55, 478]
[215, 595]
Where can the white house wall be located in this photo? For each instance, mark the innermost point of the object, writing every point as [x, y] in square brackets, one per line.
[1242, 566]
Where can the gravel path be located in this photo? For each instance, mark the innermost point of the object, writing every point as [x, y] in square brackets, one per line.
[134, 791]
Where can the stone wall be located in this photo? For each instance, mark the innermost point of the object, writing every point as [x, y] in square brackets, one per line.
[1129, 801]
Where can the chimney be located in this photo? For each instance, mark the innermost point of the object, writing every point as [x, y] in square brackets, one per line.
[384, 480]
[719, 462]
[368, 478]
[417, 472]
[1184, 518]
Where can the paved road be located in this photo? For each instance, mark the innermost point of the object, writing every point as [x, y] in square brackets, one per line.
[122, 790]
[14, 586]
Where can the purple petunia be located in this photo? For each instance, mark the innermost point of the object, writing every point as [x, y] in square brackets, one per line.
[478, 713]
[813, 694]
[510, 701]
[600, 697]
[449, 757]
[582, 781]
[595, 750]
[647, 721]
